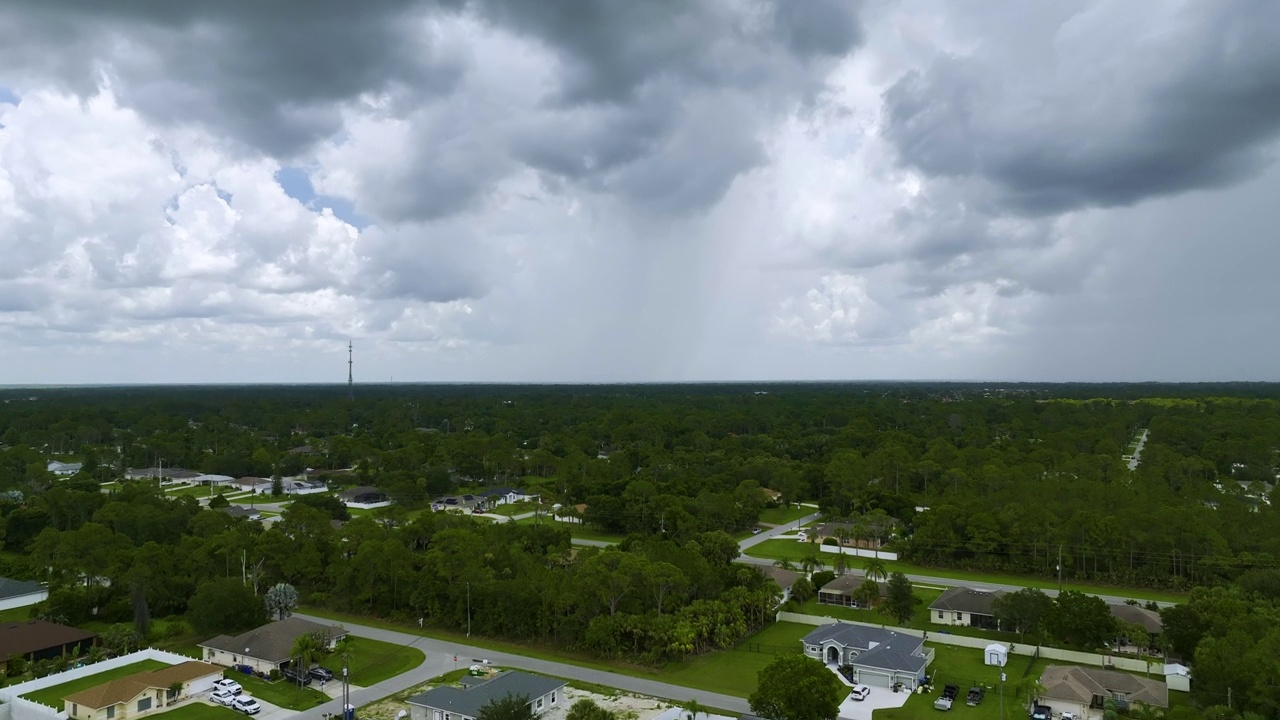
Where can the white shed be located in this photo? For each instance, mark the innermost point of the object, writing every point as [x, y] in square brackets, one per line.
[996, 654]
[1177, 677]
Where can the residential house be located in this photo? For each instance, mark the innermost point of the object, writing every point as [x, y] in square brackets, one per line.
[295, 486]
[252, 484]
[451, 703]
[456, 503]
[240, 511]
[1084, 690]
[163, 474]
[141, 694]
[506, 496]
[20, 593]
[211, 479]
[771, 496]
[364, 496]
[39, 640]
[878, 657]
[783, 577]
[1147, 619]
[303, 450]
[268, 647]
[841, 591]
[64, 469]
[965, 606]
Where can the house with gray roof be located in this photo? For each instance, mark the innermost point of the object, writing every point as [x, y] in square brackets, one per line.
[268, 647]
[877, 656]
[20, 593]
[63, 469]
[464, 703]
[965, 606]
[843, 589]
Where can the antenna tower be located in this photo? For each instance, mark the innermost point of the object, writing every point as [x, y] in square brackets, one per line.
[351, 392]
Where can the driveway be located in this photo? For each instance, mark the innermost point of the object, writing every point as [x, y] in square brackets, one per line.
[440, 659]
[879, 698]
[774, 532]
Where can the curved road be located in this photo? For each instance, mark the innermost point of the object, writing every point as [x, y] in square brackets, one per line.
[440, 656]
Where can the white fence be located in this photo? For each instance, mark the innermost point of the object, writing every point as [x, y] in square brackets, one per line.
[944, 638]
[860, 552]
[24, 709]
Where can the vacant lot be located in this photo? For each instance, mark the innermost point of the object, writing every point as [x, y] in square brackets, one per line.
[733, 672]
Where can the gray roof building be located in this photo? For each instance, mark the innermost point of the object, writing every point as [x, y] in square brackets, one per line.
[875, 647]
[966, 600]
[467, 701]
[1148, 620]
[273, 642]
[17, 588]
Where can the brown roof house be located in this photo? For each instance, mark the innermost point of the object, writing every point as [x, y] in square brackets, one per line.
[38, 640]
[268, 647]
[1148, 620]
[965, 606]
[142, 693]
[783, 577]
[1084, 690]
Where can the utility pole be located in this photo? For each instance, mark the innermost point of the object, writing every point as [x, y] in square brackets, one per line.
[348, 712]
[468, 609]
[351, 393]
[1059, 568]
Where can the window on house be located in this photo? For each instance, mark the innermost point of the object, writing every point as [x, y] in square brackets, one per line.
[144, 704]
[939, 614]
[111, 711]
[74, 710]
[539, 707]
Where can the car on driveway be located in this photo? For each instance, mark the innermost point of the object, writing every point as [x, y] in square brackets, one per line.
[230, 686]
[859, 692]
[322, 674]
[247, 705]
[222, 697]
[296, 677]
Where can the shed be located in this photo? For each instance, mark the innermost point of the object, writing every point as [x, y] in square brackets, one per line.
[996, 654]
[1177, 677]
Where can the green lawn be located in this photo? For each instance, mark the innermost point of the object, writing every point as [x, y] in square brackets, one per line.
[372, 661]
[576, 530]
[794, 550]
[201, 711]
[281, 692]
[784, 515]
[18, 613]
[512, 509]
[52, 696]
[733, 672]
[200, 491]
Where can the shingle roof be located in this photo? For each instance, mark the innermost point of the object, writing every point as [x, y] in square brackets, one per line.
[1079, 684]
[272, 642]
[963, 599]
[128, 687]
[847, 583]
[884, 649]
[784, 577]
[27, 636]
[16, 588]
[468, 701]
[1150, 620]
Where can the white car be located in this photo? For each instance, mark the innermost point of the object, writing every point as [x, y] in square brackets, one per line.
[230, 686]
[859, 692]
[247, 705]
[222, 697]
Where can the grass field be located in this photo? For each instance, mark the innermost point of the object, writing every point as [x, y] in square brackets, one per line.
[281, 692]
[52, 696]
[512, 509]
[372, 661]
[793, 550]
[201, 711]
[200, 491]
[18, 613]
[783, 515]
[577, 530]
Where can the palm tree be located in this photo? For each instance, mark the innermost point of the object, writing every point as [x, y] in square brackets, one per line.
[841, 563]
[307, 649]
[875, 569]
[812, 563]
[693, 708]
[784, 563]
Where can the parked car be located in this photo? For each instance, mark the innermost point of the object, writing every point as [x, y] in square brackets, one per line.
[859, 692]
[1070, 716]
[296, 677]
[947, 698]
[321, 673]
[975, 695]
[1041, 712]
[230, 686]
[755, 531]
[247, 705]
[477, 511]
[222, 697]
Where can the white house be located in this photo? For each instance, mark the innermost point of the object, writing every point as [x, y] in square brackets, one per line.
[20, 593]
[451, 703]
[1177, 677]
[783, 577]
[64, 469]
[268, 647]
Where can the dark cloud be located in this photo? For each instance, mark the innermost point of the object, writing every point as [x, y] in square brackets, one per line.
[266, 74]
[1193, 108]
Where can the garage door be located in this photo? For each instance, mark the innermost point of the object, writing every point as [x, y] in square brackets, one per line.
[874, 679]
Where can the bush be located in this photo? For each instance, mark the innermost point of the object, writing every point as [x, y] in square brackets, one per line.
[820, 578]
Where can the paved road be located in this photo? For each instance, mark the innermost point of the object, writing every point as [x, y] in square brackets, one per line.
[1137, 452]
[775, 532]
[440, 656]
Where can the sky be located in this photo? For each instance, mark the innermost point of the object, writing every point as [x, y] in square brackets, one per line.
[608, 190]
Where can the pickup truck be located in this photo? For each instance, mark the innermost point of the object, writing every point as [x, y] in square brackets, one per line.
[948, 697]
[975, 696]
[1041, 712]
